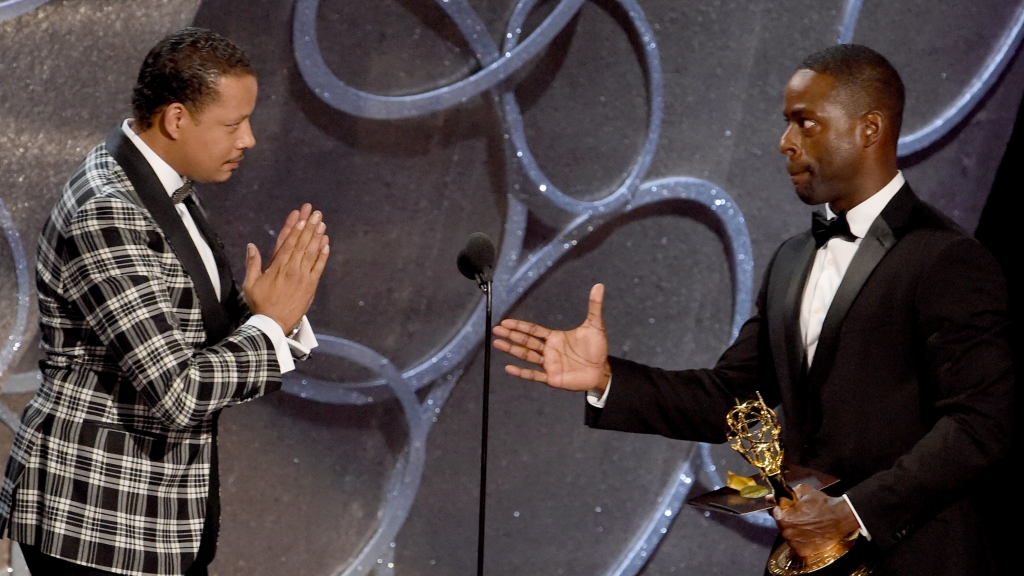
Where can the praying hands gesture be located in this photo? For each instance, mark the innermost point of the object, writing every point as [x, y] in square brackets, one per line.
[571, 360]
[285, 290]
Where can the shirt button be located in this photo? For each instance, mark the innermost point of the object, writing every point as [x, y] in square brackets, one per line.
[830, 262]
[817, 311]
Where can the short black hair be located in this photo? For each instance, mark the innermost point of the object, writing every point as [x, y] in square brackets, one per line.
[185, 68]
[866, 78]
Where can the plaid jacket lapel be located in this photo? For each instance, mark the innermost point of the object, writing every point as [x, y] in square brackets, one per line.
[216, 320]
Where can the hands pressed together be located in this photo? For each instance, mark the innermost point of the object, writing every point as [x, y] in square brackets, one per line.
[285, 290]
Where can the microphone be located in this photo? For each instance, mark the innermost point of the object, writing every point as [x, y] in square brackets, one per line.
[476, 260]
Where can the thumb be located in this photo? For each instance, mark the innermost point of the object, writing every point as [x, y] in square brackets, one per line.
[802, 490]
[253, 266]
[594, 307]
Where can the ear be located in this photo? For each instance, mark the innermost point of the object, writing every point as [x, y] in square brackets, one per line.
[172, 118]
[872, 125]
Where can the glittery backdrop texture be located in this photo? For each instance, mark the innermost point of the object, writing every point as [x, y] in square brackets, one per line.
[632, 142]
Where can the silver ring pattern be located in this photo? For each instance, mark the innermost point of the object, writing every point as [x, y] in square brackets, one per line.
[516, 271]
[16, 338]
[531, 189]
[13, 8]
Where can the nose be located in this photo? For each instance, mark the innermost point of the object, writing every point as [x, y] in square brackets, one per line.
[787, 144]
[246, 137]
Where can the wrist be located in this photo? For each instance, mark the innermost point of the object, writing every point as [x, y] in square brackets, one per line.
[604, 378]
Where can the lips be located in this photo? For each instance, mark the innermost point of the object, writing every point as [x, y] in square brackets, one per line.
[795, 169]
[799, 177]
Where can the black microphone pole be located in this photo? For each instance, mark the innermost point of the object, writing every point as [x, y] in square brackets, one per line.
[486, 287]
[476, 262]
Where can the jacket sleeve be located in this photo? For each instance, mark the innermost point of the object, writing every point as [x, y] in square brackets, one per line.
[114, 276]
[692, 404]
[966, 360]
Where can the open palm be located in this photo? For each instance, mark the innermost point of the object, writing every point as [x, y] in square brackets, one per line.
[572, 360]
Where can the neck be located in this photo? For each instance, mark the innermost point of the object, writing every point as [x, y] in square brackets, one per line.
[868, 183]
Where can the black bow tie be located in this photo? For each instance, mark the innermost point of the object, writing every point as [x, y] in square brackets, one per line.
[183, 192]
[824, 229]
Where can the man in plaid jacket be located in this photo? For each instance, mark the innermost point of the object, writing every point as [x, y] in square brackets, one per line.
[146, 336]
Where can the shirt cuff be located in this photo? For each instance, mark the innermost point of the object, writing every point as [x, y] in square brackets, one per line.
[304, 341]
[863, 529]
[281, 348]
[597, 400]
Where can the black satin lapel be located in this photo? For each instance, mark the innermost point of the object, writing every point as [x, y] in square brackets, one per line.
[788, 279]
[216, 246]
[155, 199]
[873, 247]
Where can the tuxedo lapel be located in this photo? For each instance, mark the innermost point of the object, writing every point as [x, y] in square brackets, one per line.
[216, 246]
[154, 198]
[880, 238]
[786, 288]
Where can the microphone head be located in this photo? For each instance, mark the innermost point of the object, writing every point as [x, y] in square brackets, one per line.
[477, 258]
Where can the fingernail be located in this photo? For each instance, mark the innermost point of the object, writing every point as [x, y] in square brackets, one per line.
[250, 249]
[321, 228]
[301, 224]
[317, 216]
[327, 249]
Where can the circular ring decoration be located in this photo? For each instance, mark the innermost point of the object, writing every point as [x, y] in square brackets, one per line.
[10, 9]
[14, 341]
[517, 272]
[971, 96]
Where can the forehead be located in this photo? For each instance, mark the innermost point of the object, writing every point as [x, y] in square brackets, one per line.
[809, 90]
[235, 95]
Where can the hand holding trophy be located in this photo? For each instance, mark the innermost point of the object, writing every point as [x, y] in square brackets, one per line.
[754, 432]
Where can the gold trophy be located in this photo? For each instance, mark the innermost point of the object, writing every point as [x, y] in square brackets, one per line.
[755, 433]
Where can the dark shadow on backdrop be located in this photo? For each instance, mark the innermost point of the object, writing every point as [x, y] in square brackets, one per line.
[999, 231]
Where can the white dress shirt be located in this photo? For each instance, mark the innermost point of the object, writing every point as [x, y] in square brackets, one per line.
[827, 272]
[832, 260]
[303, 341]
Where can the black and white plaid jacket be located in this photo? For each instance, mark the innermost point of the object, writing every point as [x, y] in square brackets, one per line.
[111, 466]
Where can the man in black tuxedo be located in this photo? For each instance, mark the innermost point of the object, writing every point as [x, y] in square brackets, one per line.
[882, 332]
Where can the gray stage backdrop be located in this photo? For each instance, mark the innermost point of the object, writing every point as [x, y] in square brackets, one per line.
[631, 142]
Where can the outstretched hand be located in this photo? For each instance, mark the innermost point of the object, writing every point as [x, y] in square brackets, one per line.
[572, 360]
[285, 290]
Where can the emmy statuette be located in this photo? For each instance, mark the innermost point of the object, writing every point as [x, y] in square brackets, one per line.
[755, 433]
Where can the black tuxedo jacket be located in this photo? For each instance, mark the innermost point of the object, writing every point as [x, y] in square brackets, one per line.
[908, 397]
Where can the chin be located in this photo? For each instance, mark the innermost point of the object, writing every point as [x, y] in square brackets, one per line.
[220, 177]
[811, 195]
[807, 197]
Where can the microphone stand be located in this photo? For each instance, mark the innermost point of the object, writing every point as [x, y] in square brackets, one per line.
[484, 281]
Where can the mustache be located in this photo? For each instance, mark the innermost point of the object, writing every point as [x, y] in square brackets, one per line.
[236, 159]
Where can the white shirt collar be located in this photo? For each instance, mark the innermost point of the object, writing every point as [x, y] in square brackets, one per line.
[168, 176]
[861, 216]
